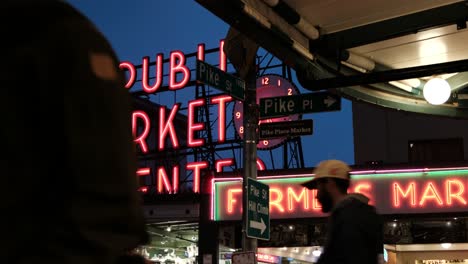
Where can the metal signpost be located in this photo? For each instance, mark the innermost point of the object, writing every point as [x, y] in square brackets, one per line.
[285, 129]
[221, 80]
[298, 104]
[258, 210]
[241, 51]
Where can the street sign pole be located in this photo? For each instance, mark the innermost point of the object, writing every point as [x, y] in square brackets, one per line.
[250, 151]
[242, 52]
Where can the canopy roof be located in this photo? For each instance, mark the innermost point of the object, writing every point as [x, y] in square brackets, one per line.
[381, 52]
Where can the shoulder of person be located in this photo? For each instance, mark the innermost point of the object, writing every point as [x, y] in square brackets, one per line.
[356, 208]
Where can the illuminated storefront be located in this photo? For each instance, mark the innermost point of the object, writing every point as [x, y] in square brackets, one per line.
[424, 193]
[414, 191]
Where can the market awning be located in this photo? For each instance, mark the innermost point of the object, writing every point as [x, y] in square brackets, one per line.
[380, 52]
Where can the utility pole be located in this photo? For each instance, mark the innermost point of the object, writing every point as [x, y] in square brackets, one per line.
[242, 52]
[250, 150]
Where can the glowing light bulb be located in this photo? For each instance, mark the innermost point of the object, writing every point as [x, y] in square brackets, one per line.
[436, 91]
[446, 245]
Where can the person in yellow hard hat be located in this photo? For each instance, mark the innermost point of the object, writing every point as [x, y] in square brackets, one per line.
[355, 231]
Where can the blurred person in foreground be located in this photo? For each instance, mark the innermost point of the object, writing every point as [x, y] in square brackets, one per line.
[355, 230]
[68, 167]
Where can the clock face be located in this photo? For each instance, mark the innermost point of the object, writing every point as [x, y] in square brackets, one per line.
[270, 85]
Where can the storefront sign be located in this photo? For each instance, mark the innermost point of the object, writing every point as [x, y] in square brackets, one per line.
[392, 192]
[261, 257]
[160, 133]
[243, 258]
[266, 258]
[444, 261]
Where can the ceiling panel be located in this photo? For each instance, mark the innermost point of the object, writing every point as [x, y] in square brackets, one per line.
[434, 46]
[419, 36]
[337, 15]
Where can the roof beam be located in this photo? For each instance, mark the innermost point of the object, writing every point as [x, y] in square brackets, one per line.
[381, 76]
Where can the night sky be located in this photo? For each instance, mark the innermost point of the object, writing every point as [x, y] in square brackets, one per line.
[148, 27]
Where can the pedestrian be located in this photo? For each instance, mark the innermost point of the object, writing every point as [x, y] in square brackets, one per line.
[68, 166]
[355, 230]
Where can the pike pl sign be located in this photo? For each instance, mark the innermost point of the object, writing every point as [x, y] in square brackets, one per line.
[299, 104]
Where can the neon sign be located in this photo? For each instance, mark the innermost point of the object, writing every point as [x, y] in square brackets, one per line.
[166, 135]
[267, 258]
[392, 192]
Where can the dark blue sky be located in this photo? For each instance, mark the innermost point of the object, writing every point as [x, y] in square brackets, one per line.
[147, 27]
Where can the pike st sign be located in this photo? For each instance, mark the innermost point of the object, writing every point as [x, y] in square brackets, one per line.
[258, 211]
[221, 80]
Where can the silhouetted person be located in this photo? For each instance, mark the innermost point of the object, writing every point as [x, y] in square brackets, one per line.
[355, 230]
[68, 190]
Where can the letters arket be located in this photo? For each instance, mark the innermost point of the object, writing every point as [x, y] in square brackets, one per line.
[179, 76]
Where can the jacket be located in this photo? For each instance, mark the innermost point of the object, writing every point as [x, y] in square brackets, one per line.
[355, 233]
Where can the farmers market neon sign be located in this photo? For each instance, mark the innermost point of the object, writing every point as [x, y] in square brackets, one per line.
[392, 192]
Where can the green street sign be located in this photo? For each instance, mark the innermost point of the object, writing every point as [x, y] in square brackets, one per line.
[299, 104]
[223, 81]
[258, 210]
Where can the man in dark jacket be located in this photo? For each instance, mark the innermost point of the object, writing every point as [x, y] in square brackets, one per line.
[355, 231]
[68, 191]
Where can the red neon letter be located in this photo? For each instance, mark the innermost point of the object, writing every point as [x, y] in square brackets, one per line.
[219, 164]
[175, 179]
[410, 190]
[430, 192]
[260, 164]
[222, 56]
[201, 52]
[231, 200]
[276, 202]
[457, 195]
[141, 139]
[167, 126]
[362, 187]
[143, 172]
[177, 64]
[164, 180]
[131, 71]
[196, 167]
[145, 79]
[292, 195]
[221, 115]
[192, 126]
[315, 203]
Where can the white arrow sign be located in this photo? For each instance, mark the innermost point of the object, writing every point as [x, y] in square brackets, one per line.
[329, 101]
[258, 225]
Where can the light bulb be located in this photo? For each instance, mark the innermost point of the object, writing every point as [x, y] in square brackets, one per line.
[446, 245]
[436, 91]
